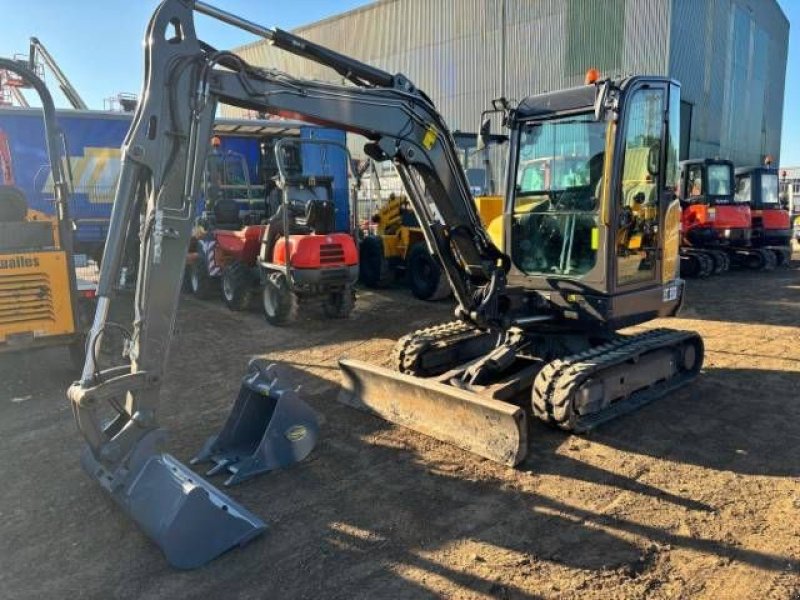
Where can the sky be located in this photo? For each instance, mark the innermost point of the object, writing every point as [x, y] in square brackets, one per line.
[92, 42]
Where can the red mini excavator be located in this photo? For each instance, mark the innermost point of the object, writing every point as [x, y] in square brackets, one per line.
[715, 223]
[771, 223]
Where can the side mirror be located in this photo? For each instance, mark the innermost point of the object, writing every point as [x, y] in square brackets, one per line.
[653, 156]
[483, 134]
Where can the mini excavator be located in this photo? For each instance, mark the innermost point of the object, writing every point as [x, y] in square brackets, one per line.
[590, 245]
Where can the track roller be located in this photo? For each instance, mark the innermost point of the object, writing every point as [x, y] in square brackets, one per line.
[579, 392]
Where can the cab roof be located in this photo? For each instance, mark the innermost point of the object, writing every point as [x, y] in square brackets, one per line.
[574, 100]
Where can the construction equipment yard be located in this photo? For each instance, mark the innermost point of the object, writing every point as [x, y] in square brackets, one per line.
[696, 495]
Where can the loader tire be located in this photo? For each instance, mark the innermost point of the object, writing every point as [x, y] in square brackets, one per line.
[706, 265]
[277, 299]
[237, 286]
[721, 261]
[783, 257]
[690, 267]
[425, 277]
[373, 268]
[202, 284]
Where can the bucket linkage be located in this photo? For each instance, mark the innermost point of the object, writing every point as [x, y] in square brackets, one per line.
[190, 519]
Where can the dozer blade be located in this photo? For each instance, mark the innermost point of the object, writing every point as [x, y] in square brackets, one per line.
[188, 518]
[487, 427]
[268, 428]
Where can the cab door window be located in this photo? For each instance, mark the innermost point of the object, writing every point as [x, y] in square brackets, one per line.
[638, 196]
[694, 183]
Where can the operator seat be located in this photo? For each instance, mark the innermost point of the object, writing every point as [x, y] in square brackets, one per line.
[226, 214]
[13, 204]
[310, 212]
[17, 233]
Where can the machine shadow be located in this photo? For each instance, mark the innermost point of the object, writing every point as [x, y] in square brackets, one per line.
[746, 421]
[381, 315]
[738, 296]
[388, 510]
[372, 511]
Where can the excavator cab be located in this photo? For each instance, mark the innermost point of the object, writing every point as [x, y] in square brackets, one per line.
[771, 223]
[591, 219]
[715, 225]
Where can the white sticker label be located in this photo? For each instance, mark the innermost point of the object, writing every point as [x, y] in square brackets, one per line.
[671, 292]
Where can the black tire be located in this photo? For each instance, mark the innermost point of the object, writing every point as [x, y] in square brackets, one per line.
[373, 269]
[339, 305]
[423, 272]
[706, 265]
[720, 259]
[690, 267]
[237, 286]
[754, 261]
[783, 257]
[770, 262]
[276, 299]
[201, 284]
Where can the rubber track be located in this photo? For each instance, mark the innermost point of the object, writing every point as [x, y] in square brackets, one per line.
[556, 384]
[408, 349]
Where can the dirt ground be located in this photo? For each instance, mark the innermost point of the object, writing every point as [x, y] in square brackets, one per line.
[696, 496]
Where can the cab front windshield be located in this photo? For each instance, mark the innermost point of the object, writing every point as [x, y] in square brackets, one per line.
[769, 188]
[719, 180]
[556, 200]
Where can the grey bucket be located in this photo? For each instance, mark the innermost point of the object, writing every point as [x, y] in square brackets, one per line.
[268, 428]
[190, 520]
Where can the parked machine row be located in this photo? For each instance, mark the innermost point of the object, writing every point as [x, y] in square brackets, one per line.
[731, 218]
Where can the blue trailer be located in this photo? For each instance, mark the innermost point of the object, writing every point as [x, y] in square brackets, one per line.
[94, 139]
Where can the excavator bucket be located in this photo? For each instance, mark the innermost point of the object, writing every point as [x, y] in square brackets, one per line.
[190, 520]
[268, 428]
[490, 428]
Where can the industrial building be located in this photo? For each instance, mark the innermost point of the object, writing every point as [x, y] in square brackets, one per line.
[729, 55]
[790, 188]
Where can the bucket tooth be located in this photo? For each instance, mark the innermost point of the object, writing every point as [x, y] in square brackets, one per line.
[490, 428]
[268, 428]
[190, 520]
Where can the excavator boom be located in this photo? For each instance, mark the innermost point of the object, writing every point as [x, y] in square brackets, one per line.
[162, 163]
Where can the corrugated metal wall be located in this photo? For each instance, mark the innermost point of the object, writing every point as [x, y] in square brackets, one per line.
[730, 57]
[464, 53]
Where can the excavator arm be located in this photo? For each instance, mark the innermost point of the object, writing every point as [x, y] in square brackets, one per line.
[162, 163]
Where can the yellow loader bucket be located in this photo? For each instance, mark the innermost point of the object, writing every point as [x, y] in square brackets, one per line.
[490, 428]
